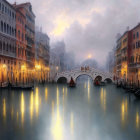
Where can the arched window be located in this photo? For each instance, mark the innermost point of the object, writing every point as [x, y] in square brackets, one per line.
[4, 46]
[5, 27]
[10, 47]
[10, 30]
[7, 47]
[1, 26]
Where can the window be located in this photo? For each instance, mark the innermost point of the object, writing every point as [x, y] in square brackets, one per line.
[19, 34]
[137, 34]
[1, 26]
[133, 36]
[2, 8]
[4, 46]
[22, 37]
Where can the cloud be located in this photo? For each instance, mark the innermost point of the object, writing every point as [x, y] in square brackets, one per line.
[86, 26]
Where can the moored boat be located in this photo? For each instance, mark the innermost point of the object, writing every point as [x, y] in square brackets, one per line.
[96, 83]
[4, 85]
[137, 93]
[23, 86]
[72, 83]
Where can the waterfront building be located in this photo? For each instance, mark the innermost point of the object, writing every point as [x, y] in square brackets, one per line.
[127, 57]
[25, 41]
[42, 57]
[134, 66]
[7, 42]
[123, 55]
[20, 46]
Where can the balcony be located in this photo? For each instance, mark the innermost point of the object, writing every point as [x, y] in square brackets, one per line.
[134, 65]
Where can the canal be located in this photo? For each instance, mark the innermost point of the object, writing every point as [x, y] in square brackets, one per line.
[57, 112]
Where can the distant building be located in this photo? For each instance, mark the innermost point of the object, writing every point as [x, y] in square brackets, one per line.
[60, 52]
[42, 56]
[111, 61]
[54, 65]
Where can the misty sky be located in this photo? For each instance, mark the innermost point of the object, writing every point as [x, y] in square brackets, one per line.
[88, 27]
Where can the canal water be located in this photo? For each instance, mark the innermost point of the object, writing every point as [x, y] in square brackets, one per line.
[57, 112]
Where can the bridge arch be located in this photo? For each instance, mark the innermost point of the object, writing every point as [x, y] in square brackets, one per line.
[62, 79]
[77, 76]
[108, 80]
[98, 77]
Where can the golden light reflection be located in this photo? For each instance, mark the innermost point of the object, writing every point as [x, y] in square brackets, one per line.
[4, 109]
[88, 90]
[46, 94]
[124, 111]
[37, 101]
[22, 108]
[71, 124]
[31, 106]
[57, 123]
[103, 99]
[57, 127]
[57, 97]
[85, 85]
[137, 120]
[66, 91]
[63, 102]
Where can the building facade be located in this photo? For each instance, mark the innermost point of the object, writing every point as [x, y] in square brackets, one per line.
[127, 57]
[7, 42]
[25, 27]
[42, 57]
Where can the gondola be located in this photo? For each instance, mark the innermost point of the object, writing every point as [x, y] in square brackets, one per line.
[137, 93]
[72, 83]
[4, 85]
[96, 83]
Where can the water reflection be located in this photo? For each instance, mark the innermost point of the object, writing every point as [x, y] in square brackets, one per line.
[88, 88]
[137, 120]
[31, 106]
[124, 111]
[57, 123]
[4, 110]
[103, 99]
[46, 94]
[68, 114]
[22, 108]
[36, 101]
[71, 123]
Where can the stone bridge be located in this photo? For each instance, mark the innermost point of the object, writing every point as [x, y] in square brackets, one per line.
[92, 72]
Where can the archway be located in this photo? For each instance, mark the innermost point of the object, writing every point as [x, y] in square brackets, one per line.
[83, 77]
[62, 80]
[98, 78]
[108, 80]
